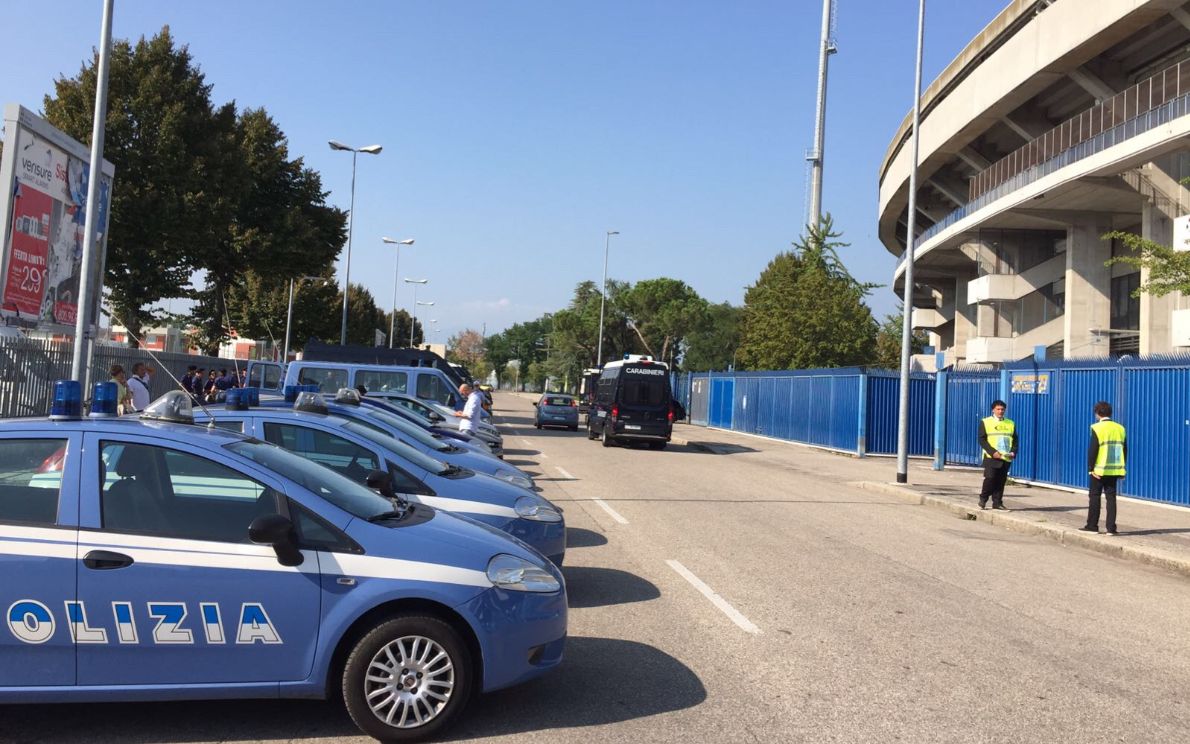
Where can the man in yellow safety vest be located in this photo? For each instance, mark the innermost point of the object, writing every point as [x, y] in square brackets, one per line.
[998, 440]
[1105, 461]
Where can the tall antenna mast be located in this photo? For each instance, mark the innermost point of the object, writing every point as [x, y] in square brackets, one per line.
[827, 47]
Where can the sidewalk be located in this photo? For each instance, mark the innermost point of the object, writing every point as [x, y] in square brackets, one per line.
[1150, 533]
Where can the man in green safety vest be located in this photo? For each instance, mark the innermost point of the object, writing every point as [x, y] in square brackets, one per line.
[1105, 461]
[997, 438]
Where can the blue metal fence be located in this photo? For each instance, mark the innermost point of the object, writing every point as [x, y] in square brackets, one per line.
[1052, 405]
[852, 410]
[855, 410]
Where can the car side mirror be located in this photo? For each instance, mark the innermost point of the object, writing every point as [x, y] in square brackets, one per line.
[276, 530]
[435, 417]
[382, 483]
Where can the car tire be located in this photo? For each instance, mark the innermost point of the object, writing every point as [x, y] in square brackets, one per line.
[403, 640]
[538, 426]
[574, 428]
[607, 439]
[590, 430]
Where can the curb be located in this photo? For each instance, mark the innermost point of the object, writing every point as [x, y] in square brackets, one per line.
[1110, 546]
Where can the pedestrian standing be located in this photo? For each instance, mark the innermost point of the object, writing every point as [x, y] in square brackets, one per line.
[197, 384]
[998, 439]
[138, 385]
[472, 410]
[187, 380]
[1106, 456]
[123, 399]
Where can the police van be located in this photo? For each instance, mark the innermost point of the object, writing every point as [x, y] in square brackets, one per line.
[152, 559]
[428, 384]
[632, 403]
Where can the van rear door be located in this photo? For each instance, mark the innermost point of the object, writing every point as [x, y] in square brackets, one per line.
[643, 399]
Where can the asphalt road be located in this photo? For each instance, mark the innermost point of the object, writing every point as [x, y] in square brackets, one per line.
[748, 594]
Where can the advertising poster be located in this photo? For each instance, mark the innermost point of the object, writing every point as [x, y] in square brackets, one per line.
[43, 244]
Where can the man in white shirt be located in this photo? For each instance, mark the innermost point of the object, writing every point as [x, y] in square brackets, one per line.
[472, 411]
[138, 386]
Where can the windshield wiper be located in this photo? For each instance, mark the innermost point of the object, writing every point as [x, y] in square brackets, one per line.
[451, 470]
[384, 516]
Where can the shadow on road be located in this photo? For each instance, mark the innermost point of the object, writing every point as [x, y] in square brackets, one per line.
[577, 537]
[133, 723]
[591, 688]
[718, 448]
[578, 693]
[600, 587]
[520, 452]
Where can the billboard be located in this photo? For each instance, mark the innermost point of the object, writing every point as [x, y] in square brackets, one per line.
[43, 201]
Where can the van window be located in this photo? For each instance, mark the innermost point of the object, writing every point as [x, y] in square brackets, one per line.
[429, 387]
[266, 376]
[375, 381]
[643, 393]
[328, 379]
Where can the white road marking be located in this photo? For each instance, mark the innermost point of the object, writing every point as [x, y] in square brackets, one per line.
[564, 473]
[615, 514]
[543, 454]
[526, 441]
[716, 600]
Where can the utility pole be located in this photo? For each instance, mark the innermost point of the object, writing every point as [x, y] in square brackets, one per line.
[826, 48]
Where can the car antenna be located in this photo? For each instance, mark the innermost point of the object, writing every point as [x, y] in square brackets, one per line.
[160, 365]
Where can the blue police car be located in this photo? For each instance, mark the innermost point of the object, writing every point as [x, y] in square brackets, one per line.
[436, 428]
[347, 404]
[369, 456]
[150, 560]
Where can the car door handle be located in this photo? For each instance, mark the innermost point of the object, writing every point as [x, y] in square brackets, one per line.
[103, 560]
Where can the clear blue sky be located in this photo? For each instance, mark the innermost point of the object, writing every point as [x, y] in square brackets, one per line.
[516, 133]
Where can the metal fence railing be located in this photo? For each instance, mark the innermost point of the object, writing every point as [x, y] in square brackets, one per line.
[29, 367]
[1017, 179]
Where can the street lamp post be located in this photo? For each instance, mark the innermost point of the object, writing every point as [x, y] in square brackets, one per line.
[392, 321]
[433, 328]
[371, 150]
[413, 315]
[289, 313]
[910, 239]
[413, 321]
[603, 295]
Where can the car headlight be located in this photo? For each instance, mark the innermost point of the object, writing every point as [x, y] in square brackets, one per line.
[537, 509]
[515, 479]
[519, 575]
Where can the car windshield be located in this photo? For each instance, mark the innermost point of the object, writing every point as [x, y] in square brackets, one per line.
[411, 430]
[341, 491]
[397, 447]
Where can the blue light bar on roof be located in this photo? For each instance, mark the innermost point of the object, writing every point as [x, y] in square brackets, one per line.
[104, 400]
[68, 400]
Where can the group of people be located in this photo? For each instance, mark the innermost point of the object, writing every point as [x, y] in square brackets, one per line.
[133, 391]
[205, 385]
[1106, 456]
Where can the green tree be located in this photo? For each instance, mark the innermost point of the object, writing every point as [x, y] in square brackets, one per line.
[806, 310]
[712, 345]
[364, 318]
[275, 224]
[1168, 269]
[259, 306]
[165, 140]
[662, 312]
[887, 350]
[401, 329]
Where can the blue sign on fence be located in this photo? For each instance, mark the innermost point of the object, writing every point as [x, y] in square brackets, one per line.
[1030, 383]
